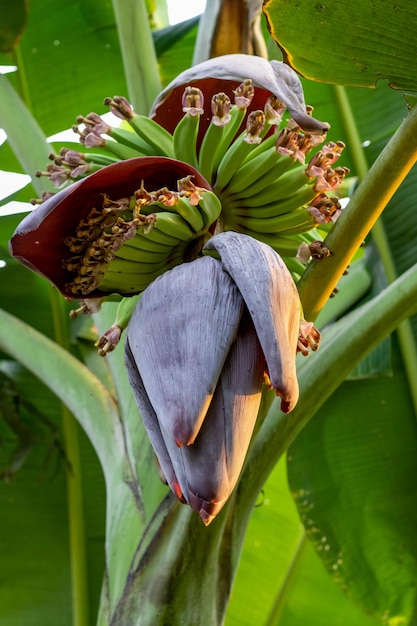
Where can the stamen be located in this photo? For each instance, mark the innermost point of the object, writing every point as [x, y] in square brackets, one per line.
[45, 196]
[220, 108]
[165, 196]
[308, 338]
[319, 250]
[244, 94]
[120, 107]
[273, 109]
[108, 342]
[187, 188]
[193, 101]
[254, 126]
[87, 307]
[325, 208]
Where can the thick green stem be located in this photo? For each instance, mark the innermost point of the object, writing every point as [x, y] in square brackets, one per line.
[404, 331]
[76, 521]
[367, 203]
[138, 53]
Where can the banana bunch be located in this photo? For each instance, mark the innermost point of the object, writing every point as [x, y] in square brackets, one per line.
[259, 174]
[131, 248]
[261, 186]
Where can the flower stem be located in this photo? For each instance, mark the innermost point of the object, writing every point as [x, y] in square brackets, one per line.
[138, 53]
[77, 538]
[367, 203]
[404, 331]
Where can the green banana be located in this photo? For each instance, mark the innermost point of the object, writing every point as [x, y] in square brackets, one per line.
[119, 150]
[230, 130]
[295, 266]
[185, 139]
[173, 224]
[231, 161]
[212, 139]
[152, 133]
[135, 253]
[266, 144]
[190, 213]
[255, 169]
[285, 246]
[210, 207]
[99, 159]
[163, 237]
[270, 186]
[131, 139]
[129, 266]
[300, 218]
[126, 284]
[250, 206]
[125, 310]
[144, 242]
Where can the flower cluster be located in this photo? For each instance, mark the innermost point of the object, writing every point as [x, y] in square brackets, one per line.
[214, 215]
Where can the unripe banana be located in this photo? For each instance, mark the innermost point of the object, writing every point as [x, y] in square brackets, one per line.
[143, 241]
[185, 139]
[295, 266]
[126, 284]
[173, 224]
[230, 130]
[281, 186]
[268, 143]
[99, 159]
[255, 169]
[231, 161]
[135, 253]
[209, 157]
[119, 150]
[152, 133]
[210, 207]
[268, 205]
[125, 310]
[132, 140]
[300, 218]
[111, 338]
[190, 213]
[133, 266]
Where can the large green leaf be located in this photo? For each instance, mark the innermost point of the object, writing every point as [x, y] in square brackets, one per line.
[359, 43]
[13, 20]
[351, 473]
[37, 520]
[364, 437]
[125, 527]
[64, 63]
[281, 580]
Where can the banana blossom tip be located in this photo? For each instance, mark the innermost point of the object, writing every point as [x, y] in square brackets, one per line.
[198, 345]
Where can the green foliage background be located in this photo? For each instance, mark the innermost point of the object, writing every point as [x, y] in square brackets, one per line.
[351, 470]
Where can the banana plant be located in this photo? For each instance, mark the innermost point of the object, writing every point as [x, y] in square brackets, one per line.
[162, 564]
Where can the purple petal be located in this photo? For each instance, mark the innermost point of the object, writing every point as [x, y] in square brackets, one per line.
[179, 335]
[209, 469]
[150, 422]
[271, 296]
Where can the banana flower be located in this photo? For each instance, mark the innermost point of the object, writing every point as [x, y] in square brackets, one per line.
[199, 210]
[153, 195]
[200, 343]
